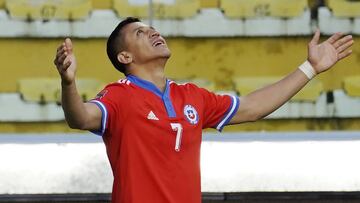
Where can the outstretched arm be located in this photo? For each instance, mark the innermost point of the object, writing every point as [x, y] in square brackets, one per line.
[79, 115]
[321, 57]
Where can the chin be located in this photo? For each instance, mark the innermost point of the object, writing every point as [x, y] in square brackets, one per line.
[166, 54]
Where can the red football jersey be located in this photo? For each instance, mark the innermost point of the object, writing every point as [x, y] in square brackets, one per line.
[153, 138]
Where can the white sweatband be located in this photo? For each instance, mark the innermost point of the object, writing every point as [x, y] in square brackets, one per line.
[307, 69]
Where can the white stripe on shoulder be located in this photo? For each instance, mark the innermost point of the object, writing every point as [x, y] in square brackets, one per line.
[233, 107]
[183, 83]
[103, 117]
[124, 81]
[177, 83]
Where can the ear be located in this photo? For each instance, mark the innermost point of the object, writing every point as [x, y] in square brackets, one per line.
[125, 57]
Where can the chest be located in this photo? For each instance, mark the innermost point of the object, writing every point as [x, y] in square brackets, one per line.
[173, 124]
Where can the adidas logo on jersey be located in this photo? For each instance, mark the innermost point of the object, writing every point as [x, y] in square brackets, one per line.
[152, 116]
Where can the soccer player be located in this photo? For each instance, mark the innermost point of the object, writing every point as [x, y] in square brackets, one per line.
[152, 126]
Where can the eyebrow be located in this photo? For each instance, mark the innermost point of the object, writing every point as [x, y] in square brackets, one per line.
[151, 27]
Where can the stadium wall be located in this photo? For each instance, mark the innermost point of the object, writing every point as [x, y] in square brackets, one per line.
[215, 59]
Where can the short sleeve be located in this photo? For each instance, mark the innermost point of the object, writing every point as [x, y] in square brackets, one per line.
[106, 101]
[218, 109]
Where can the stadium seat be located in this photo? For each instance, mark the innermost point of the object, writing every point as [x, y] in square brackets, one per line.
[200, 82]
[310, 93]
[41, 90]
[345, 105]
[310, 102]
[245, 85]
[344, 8]
[260, 8]
[330, 24]
[48, 90]
[347, 99]
[2, 4]
[101, 4]
[351, 86]
[88, 88]
[163, 9]
[209, 3]
[48, 10]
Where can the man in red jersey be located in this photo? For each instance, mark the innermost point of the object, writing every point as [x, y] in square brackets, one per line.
[152, 126]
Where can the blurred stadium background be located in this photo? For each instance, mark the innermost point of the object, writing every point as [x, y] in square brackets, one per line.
[307, 151]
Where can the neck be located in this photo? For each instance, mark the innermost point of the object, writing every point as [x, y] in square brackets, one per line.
[152, 72]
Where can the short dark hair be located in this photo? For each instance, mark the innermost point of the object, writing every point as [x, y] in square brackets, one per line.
[115, 43]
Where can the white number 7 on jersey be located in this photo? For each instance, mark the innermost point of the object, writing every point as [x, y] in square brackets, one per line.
[178, 128]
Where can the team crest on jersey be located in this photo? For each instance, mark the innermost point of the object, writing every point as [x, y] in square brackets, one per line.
[191, 114]
[101, 94]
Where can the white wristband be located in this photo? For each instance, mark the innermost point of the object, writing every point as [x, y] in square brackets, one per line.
[308, 70]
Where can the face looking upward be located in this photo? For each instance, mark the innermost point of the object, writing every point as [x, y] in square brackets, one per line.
[143, 44]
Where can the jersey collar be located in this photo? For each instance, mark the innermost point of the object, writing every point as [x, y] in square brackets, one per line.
[165, 96]
[148, 85]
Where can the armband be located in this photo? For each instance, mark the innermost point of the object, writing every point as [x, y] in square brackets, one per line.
[307, 69]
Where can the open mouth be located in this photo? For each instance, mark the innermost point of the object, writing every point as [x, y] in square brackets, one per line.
[158, 43]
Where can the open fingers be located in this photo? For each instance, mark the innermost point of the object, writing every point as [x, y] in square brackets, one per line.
[344, 54]
[342, 41]
[345, 45]
[335, 37]
[315, 39]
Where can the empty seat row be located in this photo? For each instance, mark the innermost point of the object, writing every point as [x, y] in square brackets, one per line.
[311, 102]
[48, 9]
[260, 8]
[45, 90]
[162, 9]
[311, 92]
[48, 90]
[176, 17]
[245, 85]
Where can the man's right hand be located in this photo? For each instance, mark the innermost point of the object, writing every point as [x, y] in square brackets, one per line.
[78, 115]
[65, 62]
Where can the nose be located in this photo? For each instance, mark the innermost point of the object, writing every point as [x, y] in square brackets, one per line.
[154, 33]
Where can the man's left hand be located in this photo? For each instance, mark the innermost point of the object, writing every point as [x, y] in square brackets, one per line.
[325, 55]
